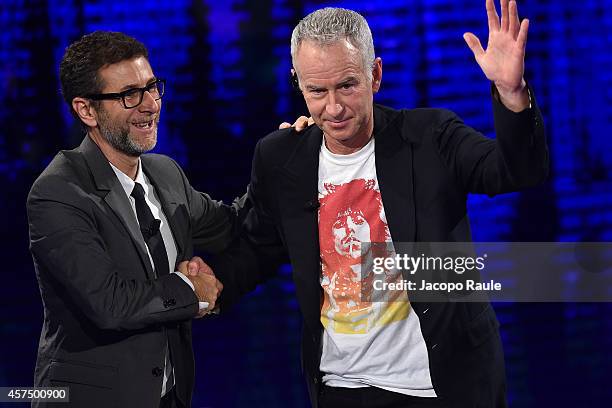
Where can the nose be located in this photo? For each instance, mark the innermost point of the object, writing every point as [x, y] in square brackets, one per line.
[332, 107]
[350, 225]
[149, 104]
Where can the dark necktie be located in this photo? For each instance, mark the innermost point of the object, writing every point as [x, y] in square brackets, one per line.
[149, 226]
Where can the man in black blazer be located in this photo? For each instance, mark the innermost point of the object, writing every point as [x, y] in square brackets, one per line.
[109, 227]
[372, 173]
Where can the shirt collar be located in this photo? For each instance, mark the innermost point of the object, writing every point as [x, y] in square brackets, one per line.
[126, 182]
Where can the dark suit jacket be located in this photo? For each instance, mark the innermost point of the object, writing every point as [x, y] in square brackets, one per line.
[427, 161]
[106, 318]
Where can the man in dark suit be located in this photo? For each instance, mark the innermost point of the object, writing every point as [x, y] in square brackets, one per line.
[372, 173]
[109, 227]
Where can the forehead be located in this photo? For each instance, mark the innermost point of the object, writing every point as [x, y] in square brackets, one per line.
[133, 72]
[327, 62]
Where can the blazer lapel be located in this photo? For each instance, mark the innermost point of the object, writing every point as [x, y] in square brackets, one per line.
[394, 172]
[298, 201]
[168, 202]
[106, 180]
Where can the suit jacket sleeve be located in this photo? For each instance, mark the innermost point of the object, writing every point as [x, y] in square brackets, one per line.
[66, 245]
[259, 251]
[516, 159]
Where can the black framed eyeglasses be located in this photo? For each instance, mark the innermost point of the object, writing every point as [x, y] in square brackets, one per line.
[131, 98]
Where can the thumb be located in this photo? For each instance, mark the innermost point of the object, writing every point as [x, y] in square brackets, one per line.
[193, 268]
[474, 43]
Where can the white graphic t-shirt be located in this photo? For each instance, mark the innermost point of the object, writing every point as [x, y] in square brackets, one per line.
[365, 343]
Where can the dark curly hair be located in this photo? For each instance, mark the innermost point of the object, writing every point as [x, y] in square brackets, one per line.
[84, 58]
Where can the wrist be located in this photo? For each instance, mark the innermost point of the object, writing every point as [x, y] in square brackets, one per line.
[516, 99]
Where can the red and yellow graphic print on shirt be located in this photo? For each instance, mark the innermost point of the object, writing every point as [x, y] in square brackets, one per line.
[351, 214]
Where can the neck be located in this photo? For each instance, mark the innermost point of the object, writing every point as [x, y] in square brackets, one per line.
[345, 147]
[128, 165]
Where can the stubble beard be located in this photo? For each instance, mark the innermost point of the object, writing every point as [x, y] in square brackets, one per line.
[118, 136]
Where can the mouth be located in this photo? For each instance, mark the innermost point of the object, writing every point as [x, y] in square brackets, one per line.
[146, 127]
[144, 124]
[338, 124]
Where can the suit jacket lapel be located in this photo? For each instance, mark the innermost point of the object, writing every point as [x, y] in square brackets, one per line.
[106, 181]
[168, 202]
[298, 184]
[394, 172]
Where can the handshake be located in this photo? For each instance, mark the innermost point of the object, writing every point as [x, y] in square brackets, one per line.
[206, 286]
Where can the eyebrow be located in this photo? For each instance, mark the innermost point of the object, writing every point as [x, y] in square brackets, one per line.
[348, 80]
[314, 87]
[132, 86]
[345, 81]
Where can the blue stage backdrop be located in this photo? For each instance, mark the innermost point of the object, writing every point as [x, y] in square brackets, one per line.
[227, 64]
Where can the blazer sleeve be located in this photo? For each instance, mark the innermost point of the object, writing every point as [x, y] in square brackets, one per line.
[517, 158]
[69, 251]
[258, 252]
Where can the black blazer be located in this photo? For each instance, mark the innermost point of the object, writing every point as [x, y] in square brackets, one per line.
[106, 317]
[427, 161]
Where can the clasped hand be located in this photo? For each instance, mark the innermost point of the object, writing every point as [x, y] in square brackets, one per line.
[206, 286]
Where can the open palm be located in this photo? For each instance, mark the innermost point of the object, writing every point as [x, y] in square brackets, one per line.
[503, 62]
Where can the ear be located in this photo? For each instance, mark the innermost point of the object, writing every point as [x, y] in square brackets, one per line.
[85, 111]
[376, 74]
[294, 80]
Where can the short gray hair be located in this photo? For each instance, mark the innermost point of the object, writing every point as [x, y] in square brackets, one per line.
[329, 25]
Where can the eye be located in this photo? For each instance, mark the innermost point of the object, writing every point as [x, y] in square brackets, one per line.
[152, 87]
[358, 218]
[347, 86]
[339, 224]
[132, 94]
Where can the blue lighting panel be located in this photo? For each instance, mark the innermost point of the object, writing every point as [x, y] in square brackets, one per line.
[224, 21]
[227, 67]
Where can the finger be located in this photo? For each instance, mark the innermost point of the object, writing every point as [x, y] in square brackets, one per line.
[197, 260]
[504, 15]
[219, 286]
[197, 290]
[310, 121]
[492, 16]
[474, 43]
[214, 295]
[300, 123]
[202, 266]
[183, 267]
[284, 125]
[514, 19]
[193, 268]
[521, 40]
